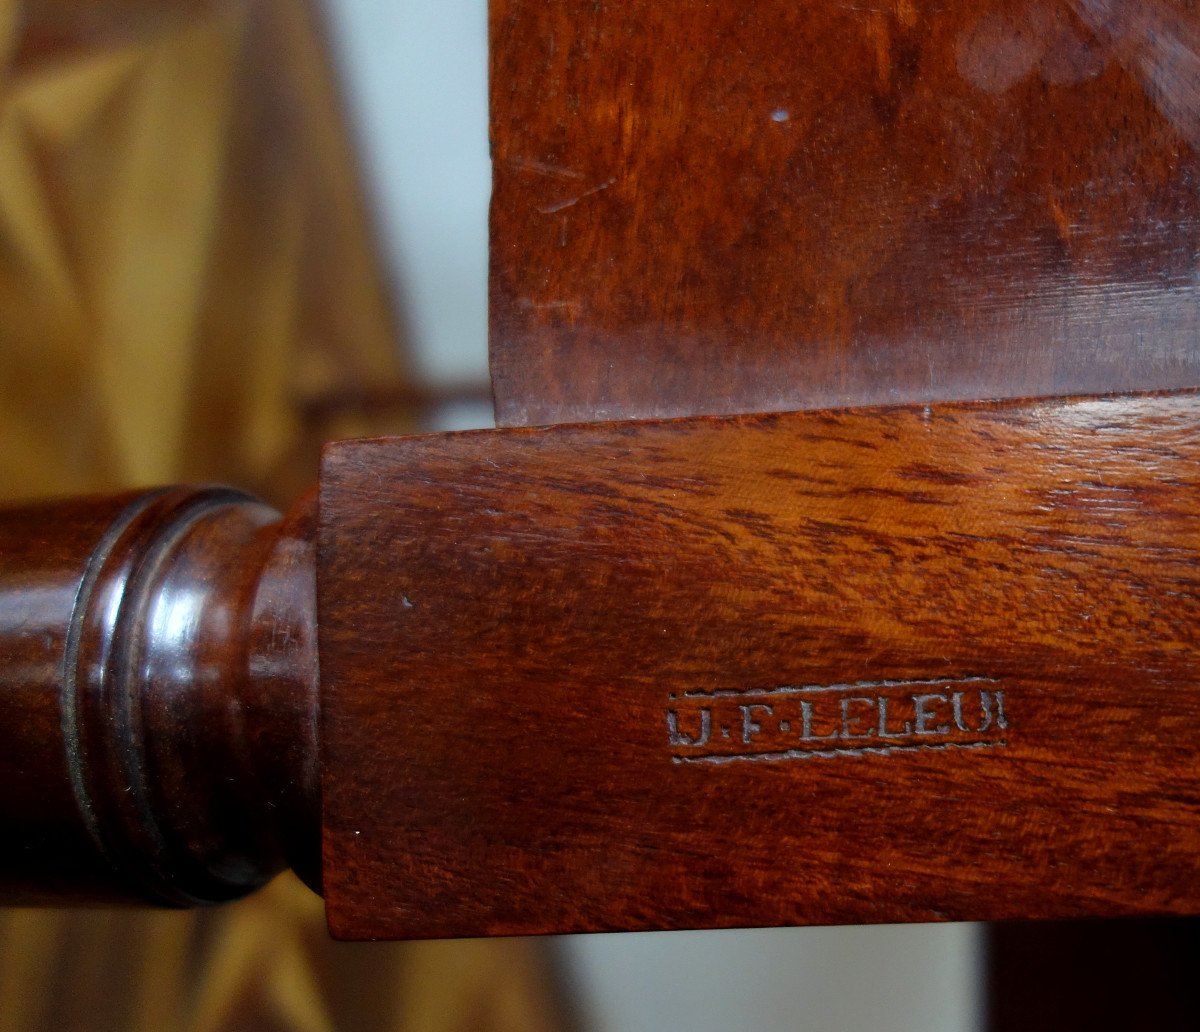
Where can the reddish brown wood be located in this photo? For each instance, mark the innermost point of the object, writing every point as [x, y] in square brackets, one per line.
[730, 207]
[520, 632]
[158, 672]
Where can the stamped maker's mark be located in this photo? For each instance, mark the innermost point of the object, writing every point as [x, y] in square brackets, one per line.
[822, 721]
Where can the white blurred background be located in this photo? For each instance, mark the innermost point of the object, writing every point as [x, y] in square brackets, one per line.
[415, 76]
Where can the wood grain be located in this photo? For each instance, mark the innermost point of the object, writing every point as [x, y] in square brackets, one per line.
[714, 208]
[508, 621]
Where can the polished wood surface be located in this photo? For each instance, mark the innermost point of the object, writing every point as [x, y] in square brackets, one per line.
[712, 208]
[158, 673]
[899, 664]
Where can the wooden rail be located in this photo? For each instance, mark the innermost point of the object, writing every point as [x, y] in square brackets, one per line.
[868, 665]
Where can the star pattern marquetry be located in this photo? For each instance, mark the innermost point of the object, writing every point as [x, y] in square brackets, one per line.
[183, 244]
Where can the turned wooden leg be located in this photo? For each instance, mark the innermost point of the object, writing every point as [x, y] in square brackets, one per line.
[158, 670]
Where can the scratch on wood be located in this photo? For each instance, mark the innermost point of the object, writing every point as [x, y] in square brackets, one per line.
[544, 168]
[551, 209]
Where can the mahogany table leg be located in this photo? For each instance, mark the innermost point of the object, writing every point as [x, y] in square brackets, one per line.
[158, 664]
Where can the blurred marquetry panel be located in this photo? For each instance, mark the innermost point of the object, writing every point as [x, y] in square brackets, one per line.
[262, 965]
[185, 256]
[741, 207]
